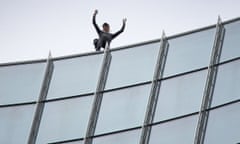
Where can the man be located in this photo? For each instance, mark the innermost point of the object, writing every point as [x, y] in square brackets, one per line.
[104, 35]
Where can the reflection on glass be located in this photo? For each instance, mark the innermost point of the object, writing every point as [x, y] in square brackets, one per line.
[189, 52]
[133, 65]
[179, 131]
[180, 95]
[227, 83]
[75, 76]
[129, 137]
[64, 120]
[20, 83]
[224, 125]
[123, 109]
[15, 124]
[231, 44]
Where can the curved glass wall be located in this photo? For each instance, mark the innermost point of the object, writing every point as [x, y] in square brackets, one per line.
[227, 83]
[21, 83]
[75, 76]
[132, 66]
[123, 109]
[129, 137]
[74, 80]
[77, 142]
[175, 132]
[64, 119]
[223, 125]
[15, 123]
[189, 52]
[231, 44]
[180, 95]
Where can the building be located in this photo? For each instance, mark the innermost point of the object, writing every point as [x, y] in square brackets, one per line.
[182, 89]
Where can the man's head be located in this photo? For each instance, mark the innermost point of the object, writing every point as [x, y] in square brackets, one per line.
[106, 27]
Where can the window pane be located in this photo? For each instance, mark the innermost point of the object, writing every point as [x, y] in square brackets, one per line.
[180, 95]
[78, 142]
[64, 120]
[15, 124]
[123, 109]
[20, 83]
[231, 44]
[227, 83]
[180, 131]
[129, 137]
[75, 76]
[75, 142]
[224, 125]
[189, 52]
[133, 65]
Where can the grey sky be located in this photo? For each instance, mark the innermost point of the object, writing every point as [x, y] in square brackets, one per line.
[30, 28]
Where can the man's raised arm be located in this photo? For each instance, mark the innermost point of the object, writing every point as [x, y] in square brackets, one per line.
[121, 30]
[94, 21]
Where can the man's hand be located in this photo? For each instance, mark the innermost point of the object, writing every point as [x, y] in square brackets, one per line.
[124, 21]
[95, 12]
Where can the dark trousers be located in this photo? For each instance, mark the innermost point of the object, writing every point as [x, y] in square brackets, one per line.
[98, 44]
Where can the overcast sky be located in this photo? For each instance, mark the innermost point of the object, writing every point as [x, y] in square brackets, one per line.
[30, 28]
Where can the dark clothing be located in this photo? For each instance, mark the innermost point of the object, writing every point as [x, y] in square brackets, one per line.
[104, 36]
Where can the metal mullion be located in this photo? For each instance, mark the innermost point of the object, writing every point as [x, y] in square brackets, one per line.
[210, 84]
[40, 103]
[152, 102]
[98, 96]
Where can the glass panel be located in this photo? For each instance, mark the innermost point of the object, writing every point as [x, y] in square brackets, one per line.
[133, 65]
[20, 83]
[123, 109]
[189, 52]
[180, 131]
[227, 83]
[180, 95]
[75, 76]
[224, 125]
[15, 124]
[64, 120]
[129, 137]
[231, 44]
[75, 142]
[80, 142]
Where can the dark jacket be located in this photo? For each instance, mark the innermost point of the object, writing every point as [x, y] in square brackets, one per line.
[104, 36]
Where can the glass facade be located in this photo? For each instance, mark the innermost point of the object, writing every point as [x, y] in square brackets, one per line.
[227, 85]
[189, 52]
[20, 83]
[15, 123]
[131, 137]
[180, 96]
[124, 101]
[132, 66]
[123, 109]
[231, 44]
[64, 119]
[174, 132]
[223, 125]
[75, 76]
